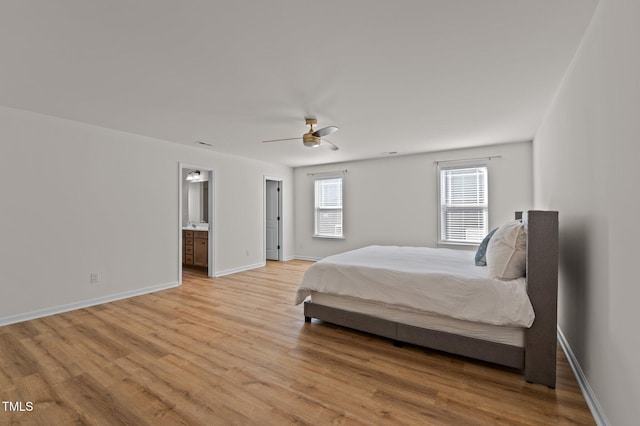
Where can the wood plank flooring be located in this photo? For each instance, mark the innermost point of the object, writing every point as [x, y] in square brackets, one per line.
[234, 350]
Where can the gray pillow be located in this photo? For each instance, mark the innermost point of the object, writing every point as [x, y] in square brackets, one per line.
[481, 254]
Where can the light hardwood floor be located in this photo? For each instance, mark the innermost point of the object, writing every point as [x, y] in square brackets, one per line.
[234, 350]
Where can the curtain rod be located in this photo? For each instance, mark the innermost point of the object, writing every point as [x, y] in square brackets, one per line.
[468, 159]
[328, 173]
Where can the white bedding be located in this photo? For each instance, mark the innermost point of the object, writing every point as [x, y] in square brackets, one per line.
[440, 281]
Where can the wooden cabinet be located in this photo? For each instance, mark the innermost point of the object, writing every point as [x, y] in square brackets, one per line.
[195, 248]
[200, 248]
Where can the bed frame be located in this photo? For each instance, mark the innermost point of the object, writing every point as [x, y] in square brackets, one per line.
[538, 356]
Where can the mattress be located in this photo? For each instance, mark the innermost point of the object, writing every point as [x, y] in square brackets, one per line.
[442, 282]
[507, 335]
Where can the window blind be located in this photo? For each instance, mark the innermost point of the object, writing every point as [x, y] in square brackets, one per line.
[328, 207]
[464, 208]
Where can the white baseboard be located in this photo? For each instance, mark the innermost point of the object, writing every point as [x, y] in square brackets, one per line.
[313, 259]
[12, 319]
[587, 392]
[240, 269]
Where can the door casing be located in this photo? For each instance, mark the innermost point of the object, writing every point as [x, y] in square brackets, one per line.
[210, 219]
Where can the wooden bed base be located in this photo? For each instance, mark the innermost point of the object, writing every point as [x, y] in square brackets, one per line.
[537, 357]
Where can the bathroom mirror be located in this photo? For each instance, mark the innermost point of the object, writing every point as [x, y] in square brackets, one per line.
[198, 202]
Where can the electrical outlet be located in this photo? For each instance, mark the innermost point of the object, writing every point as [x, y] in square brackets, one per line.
[94, 277]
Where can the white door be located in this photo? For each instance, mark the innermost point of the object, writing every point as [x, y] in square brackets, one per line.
[272, 217]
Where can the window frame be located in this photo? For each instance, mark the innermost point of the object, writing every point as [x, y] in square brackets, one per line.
[441, 208]
[317, 209]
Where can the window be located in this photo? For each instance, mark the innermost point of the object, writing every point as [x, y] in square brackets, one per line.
[328, 207]
[464, 205]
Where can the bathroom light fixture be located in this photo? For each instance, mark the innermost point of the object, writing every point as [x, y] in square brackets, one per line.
[194, 176]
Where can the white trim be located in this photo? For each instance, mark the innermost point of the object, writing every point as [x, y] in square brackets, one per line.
[287, 258]
[596, 410]
[240, 269]
[311, 258]
[12, 319]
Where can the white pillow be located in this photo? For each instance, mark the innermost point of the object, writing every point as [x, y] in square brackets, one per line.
[507, 252]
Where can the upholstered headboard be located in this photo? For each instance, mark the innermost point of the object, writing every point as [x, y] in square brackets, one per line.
[542, 286]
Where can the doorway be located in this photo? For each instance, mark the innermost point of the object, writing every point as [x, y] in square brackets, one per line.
[272, 218]
[196, 240]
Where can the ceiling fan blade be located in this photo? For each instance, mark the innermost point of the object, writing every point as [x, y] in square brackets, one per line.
[278, 140]
[325, 131]
[332, 145]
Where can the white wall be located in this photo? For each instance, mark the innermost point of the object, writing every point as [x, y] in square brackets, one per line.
[586, 167]
[99, 200]
[393, 200]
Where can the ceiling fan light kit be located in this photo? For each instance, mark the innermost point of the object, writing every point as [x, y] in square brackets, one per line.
[313, 138]
[311, 141]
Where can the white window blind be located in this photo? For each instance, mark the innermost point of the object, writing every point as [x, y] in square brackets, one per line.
[464, 205]
[328, 207]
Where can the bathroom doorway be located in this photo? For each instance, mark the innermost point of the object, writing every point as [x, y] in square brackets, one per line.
[196, 220]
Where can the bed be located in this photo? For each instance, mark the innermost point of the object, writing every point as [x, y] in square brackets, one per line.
[511, 322]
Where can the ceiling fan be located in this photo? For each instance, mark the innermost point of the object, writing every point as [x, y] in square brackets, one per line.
[313, 138]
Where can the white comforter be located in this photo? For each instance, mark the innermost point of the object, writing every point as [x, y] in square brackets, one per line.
[440, 281]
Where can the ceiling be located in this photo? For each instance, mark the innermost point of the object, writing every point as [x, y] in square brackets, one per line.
[402, 76]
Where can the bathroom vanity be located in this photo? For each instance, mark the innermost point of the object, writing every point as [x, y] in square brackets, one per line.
[195, 247]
